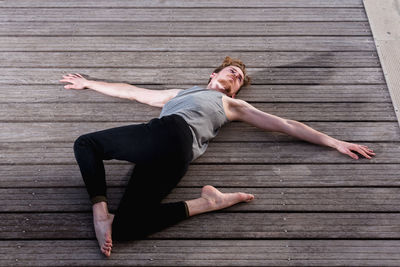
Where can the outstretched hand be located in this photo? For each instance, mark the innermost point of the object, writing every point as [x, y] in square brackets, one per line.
[76, 80]
[347, 148]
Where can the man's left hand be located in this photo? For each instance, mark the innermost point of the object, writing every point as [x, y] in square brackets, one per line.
[347, 148]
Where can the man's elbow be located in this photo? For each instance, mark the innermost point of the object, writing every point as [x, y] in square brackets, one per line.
[288, 126]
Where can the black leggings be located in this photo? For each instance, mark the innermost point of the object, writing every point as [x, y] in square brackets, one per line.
[161, 150]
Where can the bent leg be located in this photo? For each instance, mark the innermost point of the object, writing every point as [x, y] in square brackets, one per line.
[133, 143]
[141, 212]
[157, 141]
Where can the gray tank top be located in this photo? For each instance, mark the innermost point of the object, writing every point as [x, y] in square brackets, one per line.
[202, 109]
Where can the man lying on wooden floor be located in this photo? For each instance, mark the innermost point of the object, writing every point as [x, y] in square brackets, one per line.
[163, 148]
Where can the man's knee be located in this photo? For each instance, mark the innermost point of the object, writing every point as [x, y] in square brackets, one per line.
[81, 141]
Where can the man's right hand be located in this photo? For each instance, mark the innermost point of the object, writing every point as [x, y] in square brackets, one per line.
[76, 80]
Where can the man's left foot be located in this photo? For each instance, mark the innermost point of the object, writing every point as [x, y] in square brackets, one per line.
[218, 200]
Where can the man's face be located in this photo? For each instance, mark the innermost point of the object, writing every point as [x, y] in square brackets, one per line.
[229, 80]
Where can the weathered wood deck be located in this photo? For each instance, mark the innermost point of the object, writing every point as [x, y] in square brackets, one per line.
[311, 60]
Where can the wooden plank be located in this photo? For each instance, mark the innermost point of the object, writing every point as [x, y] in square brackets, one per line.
[349, 131]
[271, 175]
[291, 153]
[203, 253]
[188, 59]
[69, 131]
[178, 3]
[317, 76]
[215, 225]
[62, 132]
[313, 93]
[183, 14]
[286, 225]
[184, 28]
[133, 112]
[255, 93]
[167, 44]
[266, 199]
[217, 153]
[287, 75]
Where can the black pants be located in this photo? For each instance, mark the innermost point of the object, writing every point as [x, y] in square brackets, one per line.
[161, 150]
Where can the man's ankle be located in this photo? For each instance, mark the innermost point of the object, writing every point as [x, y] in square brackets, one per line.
[100, 211]
[199, 205]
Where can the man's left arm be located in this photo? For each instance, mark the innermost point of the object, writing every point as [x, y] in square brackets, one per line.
[240, 110]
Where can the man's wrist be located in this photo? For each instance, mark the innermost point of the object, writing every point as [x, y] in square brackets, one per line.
[335, 143]
[87, 84]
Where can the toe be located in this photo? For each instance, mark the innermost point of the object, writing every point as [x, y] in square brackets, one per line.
[247, 197]
[243, 196]
[106, 252]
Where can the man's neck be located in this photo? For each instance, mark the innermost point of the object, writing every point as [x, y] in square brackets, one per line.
[217, 87]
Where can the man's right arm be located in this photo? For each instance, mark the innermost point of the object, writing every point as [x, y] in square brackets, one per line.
[156, 98]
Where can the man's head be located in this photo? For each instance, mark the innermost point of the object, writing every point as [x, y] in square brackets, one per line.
[229, 77]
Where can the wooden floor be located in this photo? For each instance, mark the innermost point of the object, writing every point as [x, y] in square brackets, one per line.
[311, 60]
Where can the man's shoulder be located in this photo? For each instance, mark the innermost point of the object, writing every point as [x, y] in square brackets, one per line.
[233, 102]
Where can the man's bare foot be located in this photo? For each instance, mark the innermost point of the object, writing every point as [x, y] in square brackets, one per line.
[102, 227]
[218, 200]
[102, 221]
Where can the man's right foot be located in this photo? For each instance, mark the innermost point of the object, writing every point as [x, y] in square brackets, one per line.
[102, 221]
[103, 228]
